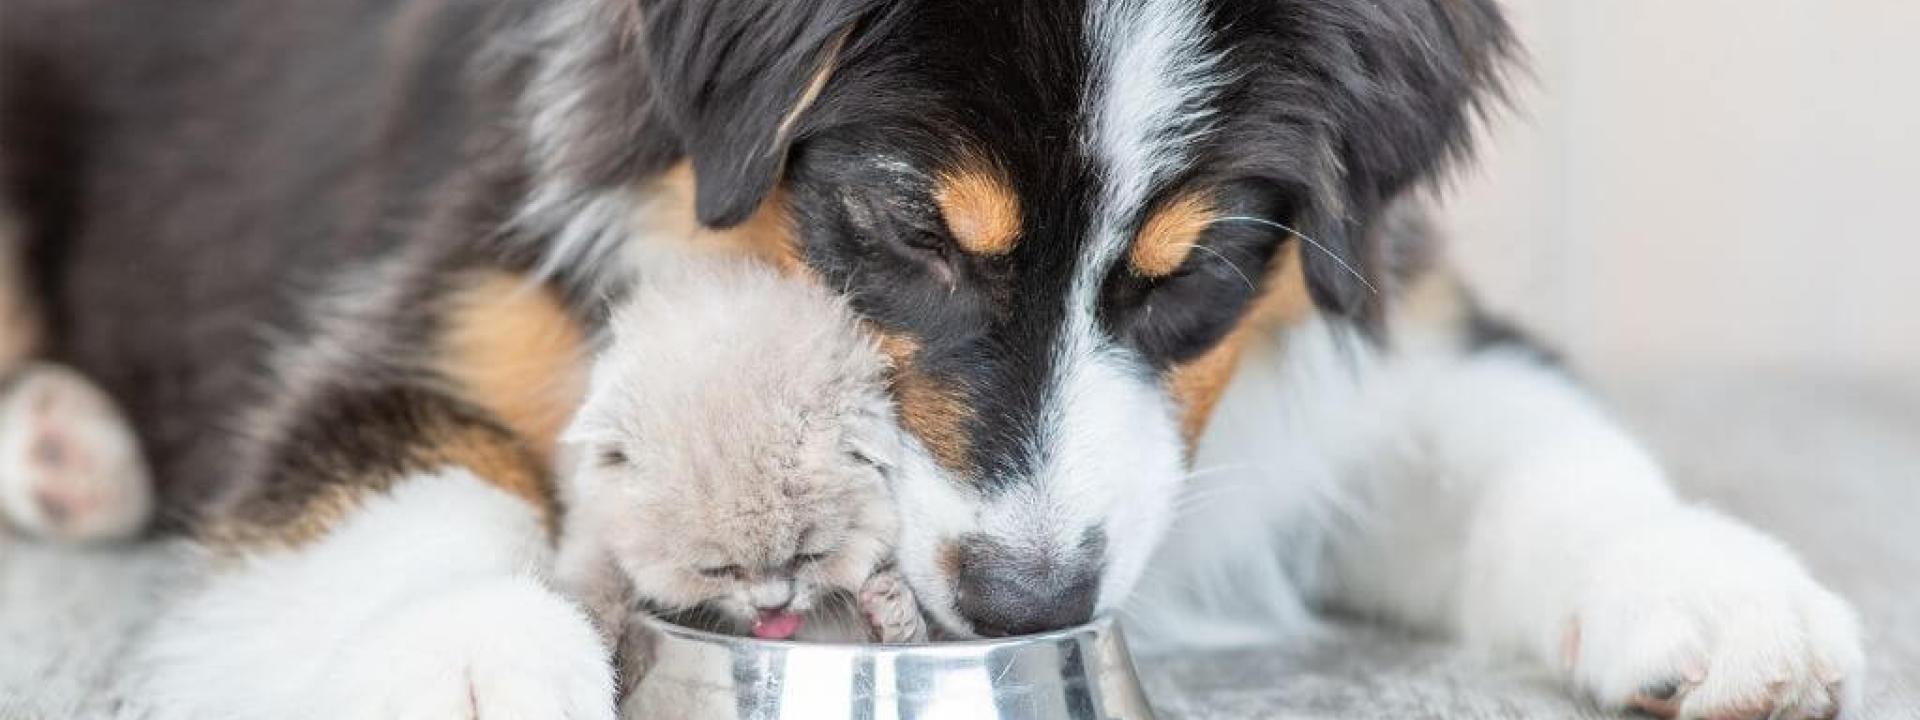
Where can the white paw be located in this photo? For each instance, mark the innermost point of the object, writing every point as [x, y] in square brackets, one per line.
[70, 467]
[1705, 618]
[891, 609]
[501, 649]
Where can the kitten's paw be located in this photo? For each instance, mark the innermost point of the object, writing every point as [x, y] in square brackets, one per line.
[499, 650]
[1711, 620]
[891, 609]
[70, 467]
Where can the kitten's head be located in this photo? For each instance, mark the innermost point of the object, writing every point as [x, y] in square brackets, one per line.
[734, 448]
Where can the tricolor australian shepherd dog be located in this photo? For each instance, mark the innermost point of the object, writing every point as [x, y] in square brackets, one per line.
[1162, 312]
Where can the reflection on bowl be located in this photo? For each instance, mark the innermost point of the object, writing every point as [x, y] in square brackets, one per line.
[1081, 673]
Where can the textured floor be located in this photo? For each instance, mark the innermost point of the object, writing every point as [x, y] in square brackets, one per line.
[1833, 468]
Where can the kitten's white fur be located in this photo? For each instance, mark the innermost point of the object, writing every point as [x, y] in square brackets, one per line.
[749, 422]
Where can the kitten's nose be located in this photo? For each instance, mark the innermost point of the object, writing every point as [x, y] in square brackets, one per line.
[772, 595]
[1005, 590]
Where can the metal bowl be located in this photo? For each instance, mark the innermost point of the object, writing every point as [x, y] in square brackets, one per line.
[1081, 673]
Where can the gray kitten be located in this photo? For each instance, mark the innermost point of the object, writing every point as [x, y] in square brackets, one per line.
[730, 465]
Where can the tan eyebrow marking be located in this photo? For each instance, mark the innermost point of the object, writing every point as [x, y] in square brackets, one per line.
[934, 412]
[1169, 234]
[981, 210]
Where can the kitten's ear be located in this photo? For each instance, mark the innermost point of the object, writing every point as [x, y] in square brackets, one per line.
[734, 77]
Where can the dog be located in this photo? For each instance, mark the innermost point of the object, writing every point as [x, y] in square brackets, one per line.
[1120, 252]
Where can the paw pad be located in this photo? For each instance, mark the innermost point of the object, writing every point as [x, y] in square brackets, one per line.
[70, 467]
[1717, 623]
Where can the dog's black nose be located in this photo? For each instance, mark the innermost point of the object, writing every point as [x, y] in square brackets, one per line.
[1004, 591]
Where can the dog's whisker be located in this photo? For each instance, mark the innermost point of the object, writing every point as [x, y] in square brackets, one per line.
[1209, 471]
[1193, 498]
[1148, 604]
[1188, 505]
[1216, 487]
[1230, 266]
[848, 608]
[1351, 270]
[1210, 493]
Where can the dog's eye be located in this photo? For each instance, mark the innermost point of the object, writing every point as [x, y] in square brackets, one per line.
[1182, 315]
[924, 241]
[1177, 316]
[929, 249]
[724, 572]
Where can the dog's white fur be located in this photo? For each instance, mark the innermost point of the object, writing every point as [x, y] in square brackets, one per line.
[1478, 494]
[1485, 497]
[1481, 495]
[430, 601]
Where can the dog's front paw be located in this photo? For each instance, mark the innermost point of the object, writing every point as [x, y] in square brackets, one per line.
[70, 468]
[1708, 619]
[891, 609]
[500, 649]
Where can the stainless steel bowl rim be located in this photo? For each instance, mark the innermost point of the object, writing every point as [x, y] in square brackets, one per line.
[1094, 626]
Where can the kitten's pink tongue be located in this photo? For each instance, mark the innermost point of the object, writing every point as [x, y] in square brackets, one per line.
[778, 625]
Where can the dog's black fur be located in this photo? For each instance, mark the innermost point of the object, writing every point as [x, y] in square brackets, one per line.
[1335, 109]
[193, 173]
[216, 160]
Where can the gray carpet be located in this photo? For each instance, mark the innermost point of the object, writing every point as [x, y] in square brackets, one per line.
[1832, 467]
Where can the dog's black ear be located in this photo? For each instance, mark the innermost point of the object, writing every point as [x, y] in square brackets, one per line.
[1408, 80]
[733, 77]
[1392, 90]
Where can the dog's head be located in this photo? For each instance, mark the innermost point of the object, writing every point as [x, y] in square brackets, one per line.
[1064, 218]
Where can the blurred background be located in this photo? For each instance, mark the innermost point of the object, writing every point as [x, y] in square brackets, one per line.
[1708, 186]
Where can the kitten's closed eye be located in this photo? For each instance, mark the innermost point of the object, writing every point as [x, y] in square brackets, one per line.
[805, 559]
[613, 458]
[865, 458]
[725, 572]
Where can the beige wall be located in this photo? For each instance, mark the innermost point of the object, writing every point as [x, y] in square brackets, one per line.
[1697, 184]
